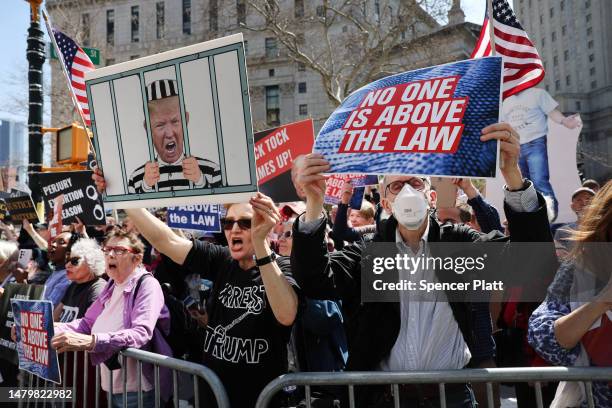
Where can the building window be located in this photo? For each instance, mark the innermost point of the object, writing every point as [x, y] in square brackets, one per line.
[377, 10]
[587, 4]
[320, 11]
[271, 47]
[298, 8]
[135, 24]
[110, 61]
[303, 110]
[555, 60]
[187, 15]
[271, 72]
[86, 28]
[240, 12]
[557, 85]
[568, 80]
[213, 15]
[592, 71]
[302, 87]
[566, 55]
[301, 67]
[272, 105]
[562, 4]
[588, 18]
[563, 30]
[160, 19]
[591, 57]
[590, 44]
[110, 27]
[543, 41]
[589, 31]
[552, 12]
[578, 105]
[541, 19]
[133, 57]
[593, 84]
[554, 36]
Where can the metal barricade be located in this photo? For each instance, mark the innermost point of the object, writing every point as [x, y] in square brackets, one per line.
[535, 375]
[81, 394]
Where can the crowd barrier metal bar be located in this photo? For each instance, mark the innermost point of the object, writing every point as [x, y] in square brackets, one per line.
[196, 370]
[489, 376]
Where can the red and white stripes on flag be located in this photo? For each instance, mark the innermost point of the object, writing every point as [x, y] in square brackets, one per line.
[76, 63]
[81, 64]
[523, 66]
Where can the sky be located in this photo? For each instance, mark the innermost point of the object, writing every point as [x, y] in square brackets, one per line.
[14, 23]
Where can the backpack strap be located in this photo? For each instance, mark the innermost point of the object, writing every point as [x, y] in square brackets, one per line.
[142, 277]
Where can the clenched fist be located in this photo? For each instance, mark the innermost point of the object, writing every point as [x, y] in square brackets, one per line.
[151, 173]
[191, 169]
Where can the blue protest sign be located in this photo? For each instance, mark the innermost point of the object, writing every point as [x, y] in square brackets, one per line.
[423, 122]
[204, 217]
[34, 329]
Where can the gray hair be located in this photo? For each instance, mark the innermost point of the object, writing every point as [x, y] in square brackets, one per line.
[8, 250]
[90, 251]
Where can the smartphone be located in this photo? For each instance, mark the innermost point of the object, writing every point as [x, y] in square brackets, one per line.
[190, 303]
[25, 255]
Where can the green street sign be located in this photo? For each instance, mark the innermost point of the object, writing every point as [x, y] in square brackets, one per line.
[92, 53]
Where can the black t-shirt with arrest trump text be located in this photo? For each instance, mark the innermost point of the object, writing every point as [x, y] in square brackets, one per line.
[78, 298]
[244, 344]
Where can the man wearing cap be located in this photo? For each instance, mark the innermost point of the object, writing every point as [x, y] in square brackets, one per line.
[171, 169]
[581, 198]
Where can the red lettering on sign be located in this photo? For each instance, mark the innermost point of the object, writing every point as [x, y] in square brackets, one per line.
[416, 117]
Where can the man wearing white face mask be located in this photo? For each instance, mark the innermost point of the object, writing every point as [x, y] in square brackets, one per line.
[407, 335]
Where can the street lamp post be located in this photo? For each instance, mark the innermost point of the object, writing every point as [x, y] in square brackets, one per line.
[36, 59]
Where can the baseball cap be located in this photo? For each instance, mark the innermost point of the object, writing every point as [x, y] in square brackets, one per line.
[297, 207]
[582, 189]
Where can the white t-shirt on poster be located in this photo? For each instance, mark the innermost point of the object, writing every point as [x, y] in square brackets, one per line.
[527, 113]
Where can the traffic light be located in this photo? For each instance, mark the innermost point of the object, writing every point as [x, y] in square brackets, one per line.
[72, 143]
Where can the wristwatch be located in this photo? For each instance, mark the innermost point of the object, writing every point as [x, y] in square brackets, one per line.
[266, 260]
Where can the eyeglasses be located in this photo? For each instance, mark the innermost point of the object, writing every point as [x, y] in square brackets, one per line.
[117, 250]
[396, 186]
[74, 261]
[286, 234]
[243, 223]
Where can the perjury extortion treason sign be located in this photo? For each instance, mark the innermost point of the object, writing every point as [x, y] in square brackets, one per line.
[81, 198]
[427, 121]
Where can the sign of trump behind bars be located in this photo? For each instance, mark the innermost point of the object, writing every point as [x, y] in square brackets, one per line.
[423, 122]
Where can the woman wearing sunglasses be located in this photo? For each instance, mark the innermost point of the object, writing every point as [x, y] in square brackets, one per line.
[84, 268]
[254, 298]
[130, 312]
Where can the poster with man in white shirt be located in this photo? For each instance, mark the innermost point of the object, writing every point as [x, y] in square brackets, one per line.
[528, 113]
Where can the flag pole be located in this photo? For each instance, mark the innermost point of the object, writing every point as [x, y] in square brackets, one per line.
[63, 64]
[491, 26]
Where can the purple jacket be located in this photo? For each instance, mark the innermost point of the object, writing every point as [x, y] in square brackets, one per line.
[143, 316]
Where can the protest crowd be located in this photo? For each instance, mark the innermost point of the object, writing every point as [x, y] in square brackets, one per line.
[279, 286]
[278, 290]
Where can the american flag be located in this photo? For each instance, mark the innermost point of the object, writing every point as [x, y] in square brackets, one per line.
[523, 66]
[76, 63]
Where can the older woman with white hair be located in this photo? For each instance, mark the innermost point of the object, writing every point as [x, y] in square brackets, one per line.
[85, 266]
